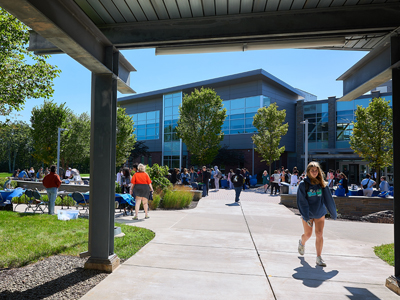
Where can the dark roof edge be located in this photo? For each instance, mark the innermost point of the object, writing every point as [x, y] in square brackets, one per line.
[213, 81]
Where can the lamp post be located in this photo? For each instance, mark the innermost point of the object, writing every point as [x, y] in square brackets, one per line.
[305, 122]
[58, 149]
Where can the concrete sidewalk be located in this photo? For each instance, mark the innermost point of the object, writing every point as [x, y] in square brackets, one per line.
[220, 250]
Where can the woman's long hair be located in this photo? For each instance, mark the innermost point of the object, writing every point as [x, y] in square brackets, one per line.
[320, 177]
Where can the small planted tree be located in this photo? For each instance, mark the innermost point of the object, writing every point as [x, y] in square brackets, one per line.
[270, 129]
[158, 175]
[200, 123]
[372, 137]
[125, 137]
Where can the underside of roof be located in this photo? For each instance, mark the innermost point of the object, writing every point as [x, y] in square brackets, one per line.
[162, 23]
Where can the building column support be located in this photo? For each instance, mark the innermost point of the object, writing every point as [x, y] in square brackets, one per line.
[102, 169]
[393, 282]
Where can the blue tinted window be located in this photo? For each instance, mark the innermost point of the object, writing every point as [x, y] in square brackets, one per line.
[266, 101]
[362, 102]
[147, 126]
[238, 116]
[253, 102]
[236, 124]
[238, 103]
[168, 111]
[252, 109]
[344, 105]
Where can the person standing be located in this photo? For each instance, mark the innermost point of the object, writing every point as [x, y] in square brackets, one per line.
[205, 178]
[193, 178]
[237, 180]
[367, 185]
[125, 183]
[265, 178]
[294, 179]
[185, 177]
[217, 177]
[230, 183]
[52, 182]
[313, 199]
[141, 185]
[343, 183]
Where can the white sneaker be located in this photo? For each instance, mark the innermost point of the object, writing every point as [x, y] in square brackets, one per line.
[301, 248]
[320, 262]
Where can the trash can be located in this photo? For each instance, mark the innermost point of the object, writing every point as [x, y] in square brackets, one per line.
[284, 188]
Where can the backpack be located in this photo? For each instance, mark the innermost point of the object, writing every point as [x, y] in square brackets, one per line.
[366, 185]
[219, 175]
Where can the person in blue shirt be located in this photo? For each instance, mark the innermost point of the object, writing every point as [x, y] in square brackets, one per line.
[367, 185]
[313, 199]
[384, 185]
[23, 174]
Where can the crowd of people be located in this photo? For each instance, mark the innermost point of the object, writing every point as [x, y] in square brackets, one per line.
[32, 175]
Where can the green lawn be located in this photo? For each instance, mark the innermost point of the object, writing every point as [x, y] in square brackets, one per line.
[3, 174]
[27, 238]
[386, 253]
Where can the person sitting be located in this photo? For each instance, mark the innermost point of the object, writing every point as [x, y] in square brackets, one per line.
[384, 185]
[22, 175]
[68, 174]
[185, 177]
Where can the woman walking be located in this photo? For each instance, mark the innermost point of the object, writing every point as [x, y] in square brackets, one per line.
[141, 185]
[313, 196]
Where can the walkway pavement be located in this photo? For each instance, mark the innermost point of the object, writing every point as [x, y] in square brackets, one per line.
[220, 250]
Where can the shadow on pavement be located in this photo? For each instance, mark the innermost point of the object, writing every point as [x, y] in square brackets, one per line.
[312, 276]
[360, 293]
[233, 204]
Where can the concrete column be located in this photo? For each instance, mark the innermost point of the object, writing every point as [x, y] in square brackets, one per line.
[332, 123]
[395, 56]
[299, 134]
[102, 170]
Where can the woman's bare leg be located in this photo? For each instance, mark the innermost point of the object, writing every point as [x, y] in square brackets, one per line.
[145, 205]
[307, 232]
[319, 230]
[137, 205]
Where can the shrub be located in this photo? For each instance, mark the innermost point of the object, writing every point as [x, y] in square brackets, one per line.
[118, 189]
[3, 181]
[156, 201]
[177, 199]
[158, 175]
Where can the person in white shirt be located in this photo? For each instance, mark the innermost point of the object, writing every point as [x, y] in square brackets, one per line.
[294, 179]
[68, 173]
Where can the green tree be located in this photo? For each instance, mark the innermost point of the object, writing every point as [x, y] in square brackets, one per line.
[158, 175]
[200, 123]
[270, 129]
[372, 137]
[125, 137]
[16, 141]
[45, 121]
[75, 143]
[19, 79]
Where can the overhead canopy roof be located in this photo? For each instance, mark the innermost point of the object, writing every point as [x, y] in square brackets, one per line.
[85, 28]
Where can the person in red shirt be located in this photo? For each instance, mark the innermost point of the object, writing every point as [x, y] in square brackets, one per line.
[52, 182]
[141, 185]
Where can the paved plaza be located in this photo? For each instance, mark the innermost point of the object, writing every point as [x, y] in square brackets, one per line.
[220, 250]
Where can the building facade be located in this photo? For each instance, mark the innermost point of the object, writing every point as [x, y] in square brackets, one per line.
[156, 114]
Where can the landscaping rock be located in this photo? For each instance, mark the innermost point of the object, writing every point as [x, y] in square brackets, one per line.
[385, 216]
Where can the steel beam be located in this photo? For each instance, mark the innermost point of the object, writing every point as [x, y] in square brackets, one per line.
[267, 26]
[66, 27]
[371, 71]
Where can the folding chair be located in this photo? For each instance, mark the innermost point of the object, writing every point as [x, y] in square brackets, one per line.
[81, 201]
[30, 200]
[40, 201]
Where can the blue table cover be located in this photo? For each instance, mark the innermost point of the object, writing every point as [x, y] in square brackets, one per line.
[121, 198]
[7, 195]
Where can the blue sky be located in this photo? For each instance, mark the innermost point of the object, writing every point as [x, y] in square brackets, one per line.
[314, 71]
